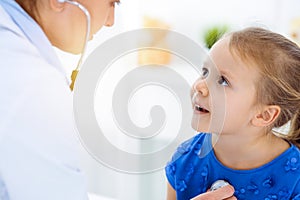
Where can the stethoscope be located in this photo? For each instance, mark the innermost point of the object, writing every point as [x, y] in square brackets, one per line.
[87, 36]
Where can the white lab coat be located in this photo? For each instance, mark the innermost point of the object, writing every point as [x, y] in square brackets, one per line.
[38, 145]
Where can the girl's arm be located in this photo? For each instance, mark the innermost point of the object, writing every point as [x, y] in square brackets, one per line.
[171, 194]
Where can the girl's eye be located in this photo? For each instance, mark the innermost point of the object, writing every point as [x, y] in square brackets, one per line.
[205, 72]
[223, 81]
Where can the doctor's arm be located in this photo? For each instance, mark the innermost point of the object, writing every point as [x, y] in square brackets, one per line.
[38, 144]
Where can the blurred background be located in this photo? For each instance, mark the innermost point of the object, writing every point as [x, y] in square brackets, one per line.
[195, 19]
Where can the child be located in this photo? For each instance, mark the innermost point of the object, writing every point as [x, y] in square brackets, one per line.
[260, 76]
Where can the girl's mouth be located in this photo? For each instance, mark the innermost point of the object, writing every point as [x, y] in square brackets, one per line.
[201, 109]
[196, 106]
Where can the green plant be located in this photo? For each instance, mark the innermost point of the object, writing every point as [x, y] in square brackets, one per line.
[213, 34]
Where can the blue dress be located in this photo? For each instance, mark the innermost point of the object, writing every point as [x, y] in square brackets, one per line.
[191, 175]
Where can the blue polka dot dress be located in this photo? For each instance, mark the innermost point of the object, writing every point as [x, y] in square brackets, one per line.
[191, 174]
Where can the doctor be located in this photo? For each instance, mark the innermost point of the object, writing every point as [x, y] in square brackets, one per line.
[37, 133]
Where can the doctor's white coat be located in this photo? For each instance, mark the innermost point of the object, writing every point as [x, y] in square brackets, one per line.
[38, 144]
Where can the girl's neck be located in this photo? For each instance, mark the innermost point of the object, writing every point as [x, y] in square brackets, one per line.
[243, 152]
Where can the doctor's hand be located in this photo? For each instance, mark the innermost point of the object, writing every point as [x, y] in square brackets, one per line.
[225, 193]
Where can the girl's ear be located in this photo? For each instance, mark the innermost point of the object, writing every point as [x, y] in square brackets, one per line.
[266, 116]
[56, 5]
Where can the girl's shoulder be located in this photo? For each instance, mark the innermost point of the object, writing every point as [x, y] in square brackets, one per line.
[291, 159]
[192, 145]
[186, 160]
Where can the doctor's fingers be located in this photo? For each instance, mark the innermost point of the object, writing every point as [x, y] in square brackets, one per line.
[231, 198]
[224, 193]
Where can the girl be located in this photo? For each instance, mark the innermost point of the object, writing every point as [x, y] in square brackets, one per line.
[260, 76]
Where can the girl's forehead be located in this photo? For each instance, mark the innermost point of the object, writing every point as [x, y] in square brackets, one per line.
[221, 56]
[227, 62]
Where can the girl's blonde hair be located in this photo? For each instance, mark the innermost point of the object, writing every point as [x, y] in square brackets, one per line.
[278, 60]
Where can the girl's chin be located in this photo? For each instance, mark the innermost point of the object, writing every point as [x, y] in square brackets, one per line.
[204, 128]
[199, 127]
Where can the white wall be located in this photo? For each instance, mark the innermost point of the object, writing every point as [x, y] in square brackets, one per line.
[191, 17]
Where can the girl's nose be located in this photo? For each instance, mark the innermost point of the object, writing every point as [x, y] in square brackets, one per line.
[200, 86]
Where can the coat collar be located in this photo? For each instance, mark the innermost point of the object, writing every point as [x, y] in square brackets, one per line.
[32, 31]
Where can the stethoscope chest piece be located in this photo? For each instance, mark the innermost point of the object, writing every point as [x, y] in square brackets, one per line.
[218, 184]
